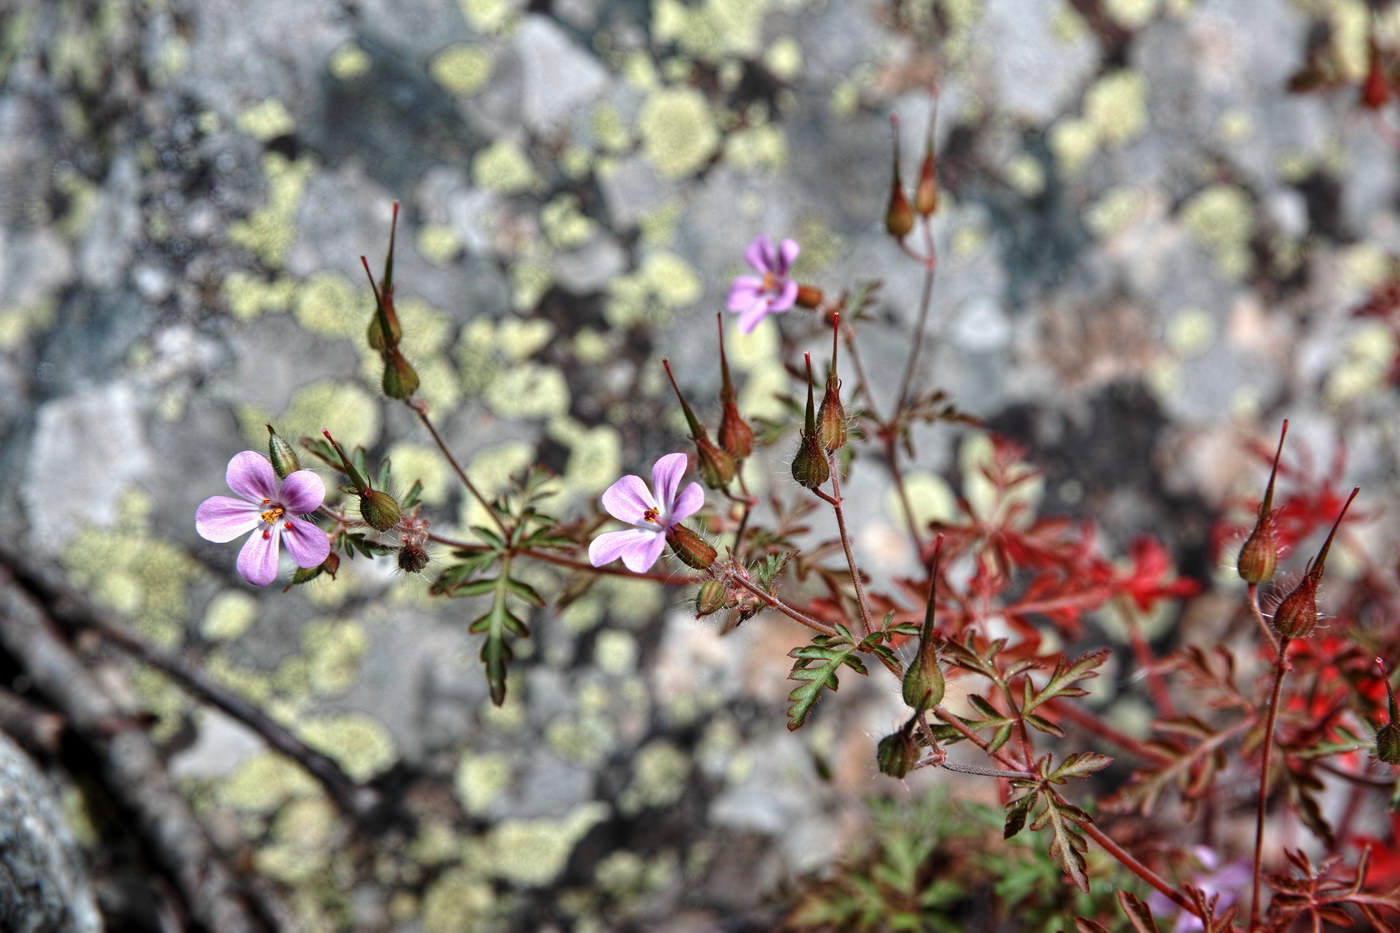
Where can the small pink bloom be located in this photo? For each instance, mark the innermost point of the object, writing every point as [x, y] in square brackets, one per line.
[266, 506]
[770, 292]
[629, 500]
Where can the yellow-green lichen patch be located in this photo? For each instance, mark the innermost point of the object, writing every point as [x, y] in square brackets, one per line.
[784, 58]
[976, 460]
[585, 740]
[1116, 211]
[344, 409]
[491, 471]
[711, 29]
[521, 338]
[230, 614]
[610, 132]
[17, 323]
[348, 62]
[361, 745]
[677, 131]
[476, 359]
[1025, 174]
[480, 780]
[333, 651]
[530, 278]
[1074, 142]
[504, 168]
[438, 244]
[636, 601]
[81, 196]
[1365, 366]
[532, 853]
[493, 17]
[418, 462]
[659, 773]
[160, 698]
[251, 685]
[595, 455]
[1221, 218]
[435, 844]
[269, 230]
[329, 306]
[266, 120]
[1131, 14]
[663, 284]
[1190, 331]
[615, 653]
[264, 782]
[1364, 266]
[757, 149]
[128, 570]
[301, 837]
[658, 226]
[1116, 106]
[462, 68]
[1234, 126]
[250, 295]
[425, 328]
[564, 224]
[460, 901]
[528, 390]
[930, 498]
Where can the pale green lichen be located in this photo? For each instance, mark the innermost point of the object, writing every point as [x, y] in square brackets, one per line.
[438, 244]
[1234, 126]
[503, 167]
[677, 131]
[532, 853]
[300, 846]
[757, 149]
[1116, 106]
[631, 600]
[585, 740]
[1221, 218]
[1074, 141]
[491, 470]
[480, 780]
[435, 844]
[784, 58]
[1364, 266]
[528, 390]
[230, 614]
[1368, 356]
[459, 901]
[658, 226]
[930, 499]
[595, 455]
[420, 462]
[521, 338]
[1190, 331]
[1131, 14]
[361, 745]
[250, 295]
[251, 685]
[711, 29]
[493, 17]
[264, 782]
[615, 653]
[1025, 173]
[266, 120]
[333, 650]
[1118, 209]
[269, 230]
[610, 131]
[348, 62]
[564, 224]
[462, 68]
[17, 323]
[659, 774]
[343, 408]
[329, 306]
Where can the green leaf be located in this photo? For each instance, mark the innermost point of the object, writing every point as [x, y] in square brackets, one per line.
[1016, 813]
[1063, 681]
[1067, 845]
[1080, 765]
[525, 591]
[828, 654]
[490, 537]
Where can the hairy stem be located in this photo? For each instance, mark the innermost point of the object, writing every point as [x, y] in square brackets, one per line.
[930, 261]
[422, 413]
[835, 500]
[1259, 618]
[791, 612]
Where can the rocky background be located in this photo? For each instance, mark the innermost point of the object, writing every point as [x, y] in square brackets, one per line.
[1151, 250]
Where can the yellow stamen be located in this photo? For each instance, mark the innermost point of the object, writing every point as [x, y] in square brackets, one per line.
[650, 515]
[272, 514]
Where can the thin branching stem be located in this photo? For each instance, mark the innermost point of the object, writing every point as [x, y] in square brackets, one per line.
[559, 560]
[930, 261]
[1280, 668]
[791, 612]
[422, 412]
[835, 500]
[1259, 618]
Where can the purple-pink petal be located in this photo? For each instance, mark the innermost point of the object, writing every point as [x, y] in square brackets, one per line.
[250, 476]
[786, 298]
[751, 315]
[628, 499]
[787, 252]
[302, 493]
[758, 252]
[640, 554]
[257, 561]
[220, 518]
[744, 291]
[610, 545]
[687, 503]
[666, 476]
[307, 544]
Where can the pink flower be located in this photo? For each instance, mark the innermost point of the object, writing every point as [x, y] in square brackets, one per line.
[629, 500]
[753, 297]
[266, 506]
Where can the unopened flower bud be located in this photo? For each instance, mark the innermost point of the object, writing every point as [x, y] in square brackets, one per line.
[1375, 89]
[923, 683]
[711, 598]
[384, 332]
[690, 547]
[809, 466]
[375, 333]
[831, 418]
[809, 297]
[400, 378]
[379, 509]
[1259, 556]
[1296, 616]
[735, 435]
[1388, 743]
[897, 754]
[926, 192]
[412, 557]
[899, 219]
[716, 466]
[283, 456]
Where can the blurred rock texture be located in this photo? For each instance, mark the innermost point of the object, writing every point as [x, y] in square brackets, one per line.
[1151, 251]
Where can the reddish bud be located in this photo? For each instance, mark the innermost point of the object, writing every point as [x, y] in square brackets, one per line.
[831, 418]
[735, 435]
[1375, 90]
[809, 297]
[809, 466]
[1296, 616]
[690, 548]
[1388, 736]
[716, 466]
[412, 558]
[923, 683]
[926, 192]
[1259, 557]
[899, 218]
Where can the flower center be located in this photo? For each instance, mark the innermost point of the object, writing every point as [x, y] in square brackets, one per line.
[770, 282]
[651, 515]
[273, 514]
